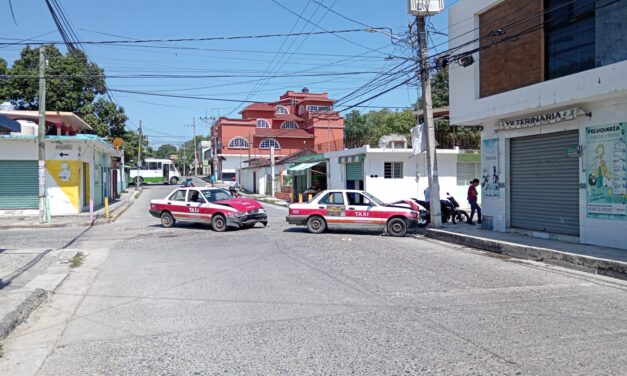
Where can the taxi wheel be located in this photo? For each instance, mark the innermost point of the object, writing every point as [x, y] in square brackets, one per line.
[167, 220]
[218, 223]
[316, 225]
[397, 227]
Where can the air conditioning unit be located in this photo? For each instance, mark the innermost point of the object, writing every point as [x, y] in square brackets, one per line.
[424, 7]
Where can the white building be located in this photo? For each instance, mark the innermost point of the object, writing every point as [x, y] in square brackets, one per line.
[552, 99]
[79, 168]
[396, 174]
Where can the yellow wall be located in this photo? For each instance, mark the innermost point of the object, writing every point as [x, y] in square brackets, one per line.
[67, 176]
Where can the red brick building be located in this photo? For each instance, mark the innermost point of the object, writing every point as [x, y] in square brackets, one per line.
[297, 121]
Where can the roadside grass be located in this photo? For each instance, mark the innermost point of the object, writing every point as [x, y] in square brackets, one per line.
[77, 260]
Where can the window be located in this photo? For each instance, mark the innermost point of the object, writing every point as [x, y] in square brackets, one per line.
[213, 195]
[466, 171]
[268, 143]
[238, 143]
[332, 198]
[262, 123]
[178, 195]
[172, 169]
[313, 108]
[356, 198]
[152, 165]
[289, 125]
[281, 110]
[195, 196]
[393, 170]
[569, 37]
[301, 110]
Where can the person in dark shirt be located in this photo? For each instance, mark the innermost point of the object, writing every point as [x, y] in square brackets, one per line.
[472, 199]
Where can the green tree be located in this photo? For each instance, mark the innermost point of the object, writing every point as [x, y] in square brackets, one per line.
[71, 81]
[106, 118]
[131, 146]
[164, 151]
[4, 69]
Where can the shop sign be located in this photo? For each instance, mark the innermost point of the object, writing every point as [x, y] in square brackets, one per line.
[606, 171]
[538, 120]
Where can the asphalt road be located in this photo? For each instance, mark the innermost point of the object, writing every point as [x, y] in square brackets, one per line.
[278, 300]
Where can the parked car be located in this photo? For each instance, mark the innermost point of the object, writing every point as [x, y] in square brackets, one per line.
[351, 209]
[213, 206]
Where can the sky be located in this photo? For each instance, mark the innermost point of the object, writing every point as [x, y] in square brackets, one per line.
[333, 63]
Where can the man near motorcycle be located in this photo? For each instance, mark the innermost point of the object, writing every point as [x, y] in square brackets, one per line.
[234, 188]
[473, 195]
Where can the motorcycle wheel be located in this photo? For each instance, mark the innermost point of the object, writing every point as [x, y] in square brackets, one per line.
[462, 216]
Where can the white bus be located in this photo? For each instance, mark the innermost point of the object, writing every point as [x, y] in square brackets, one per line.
[156, 171]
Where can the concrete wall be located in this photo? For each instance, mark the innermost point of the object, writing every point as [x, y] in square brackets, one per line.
[64, 170]
[414, 180]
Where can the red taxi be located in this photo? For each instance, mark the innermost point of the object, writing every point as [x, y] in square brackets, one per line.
[213, 206]
[351, 209]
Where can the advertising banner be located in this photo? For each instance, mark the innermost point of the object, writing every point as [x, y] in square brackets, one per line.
[606, 171]
[490, 171]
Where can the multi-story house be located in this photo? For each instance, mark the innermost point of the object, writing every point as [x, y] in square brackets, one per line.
[547, 81]
[297, 121]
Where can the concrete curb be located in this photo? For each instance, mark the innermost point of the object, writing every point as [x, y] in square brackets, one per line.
[14, 318]
[609, 268]
[40, 288]
[99, 218]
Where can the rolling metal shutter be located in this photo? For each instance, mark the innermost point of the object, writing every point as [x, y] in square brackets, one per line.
[19, 187]
[355, 171]
[544, 183]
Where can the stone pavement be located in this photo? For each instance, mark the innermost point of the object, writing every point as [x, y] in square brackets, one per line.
[606, 261]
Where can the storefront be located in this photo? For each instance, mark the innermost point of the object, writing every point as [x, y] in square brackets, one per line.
[559, 174]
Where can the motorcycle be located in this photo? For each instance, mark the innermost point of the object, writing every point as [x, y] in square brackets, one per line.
[449, 209]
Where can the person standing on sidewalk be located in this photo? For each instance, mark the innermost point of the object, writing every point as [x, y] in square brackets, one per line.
[472, 199]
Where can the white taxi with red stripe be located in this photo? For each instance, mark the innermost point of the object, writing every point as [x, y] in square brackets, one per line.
[352, 209]
[213, 206]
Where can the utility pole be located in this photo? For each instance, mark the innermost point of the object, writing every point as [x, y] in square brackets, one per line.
[432, 162]
[195, 160]
[41, 139]
[138, 180]
[272, 185]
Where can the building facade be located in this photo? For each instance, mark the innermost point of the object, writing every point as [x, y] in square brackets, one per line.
[79, 167]
[298, 120]
[547, 83]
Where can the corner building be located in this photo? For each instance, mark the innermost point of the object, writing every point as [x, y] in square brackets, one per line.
[297, 121]
[548, 83]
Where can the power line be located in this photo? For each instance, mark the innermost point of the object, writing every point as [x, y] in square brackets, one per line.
[202, 39]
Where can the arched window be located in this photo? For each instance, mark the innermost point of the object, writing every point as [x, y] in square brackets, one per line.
[262, 123]
[238, 143]
[289, 125]
[268, 143]
[281, 110]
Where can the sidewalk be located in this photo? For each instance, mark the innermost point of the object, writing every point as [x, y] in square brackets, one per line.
[610, 262]
[116, 208]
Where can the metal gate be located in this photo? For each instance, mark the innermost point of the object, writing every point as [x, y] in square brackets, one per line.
[19, 185]
[355, 171]
[544, 183]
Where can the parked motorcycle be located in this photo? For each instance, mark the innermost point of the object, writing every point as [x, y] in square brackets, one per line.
[449, 209]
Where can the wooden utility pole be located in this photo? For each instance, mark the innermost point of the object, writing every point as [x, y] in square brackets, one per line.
[41, 139]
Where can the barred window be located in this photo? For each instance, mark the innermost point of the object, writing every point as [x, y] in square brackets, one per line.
[238, 143]
[262, 123]
[466, 171]
[281, 110]
[289, 125]
[268, 143]
[393, 170]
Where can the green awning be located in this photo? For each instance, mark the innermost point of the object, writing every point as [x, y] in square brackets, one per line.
[300, 169]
